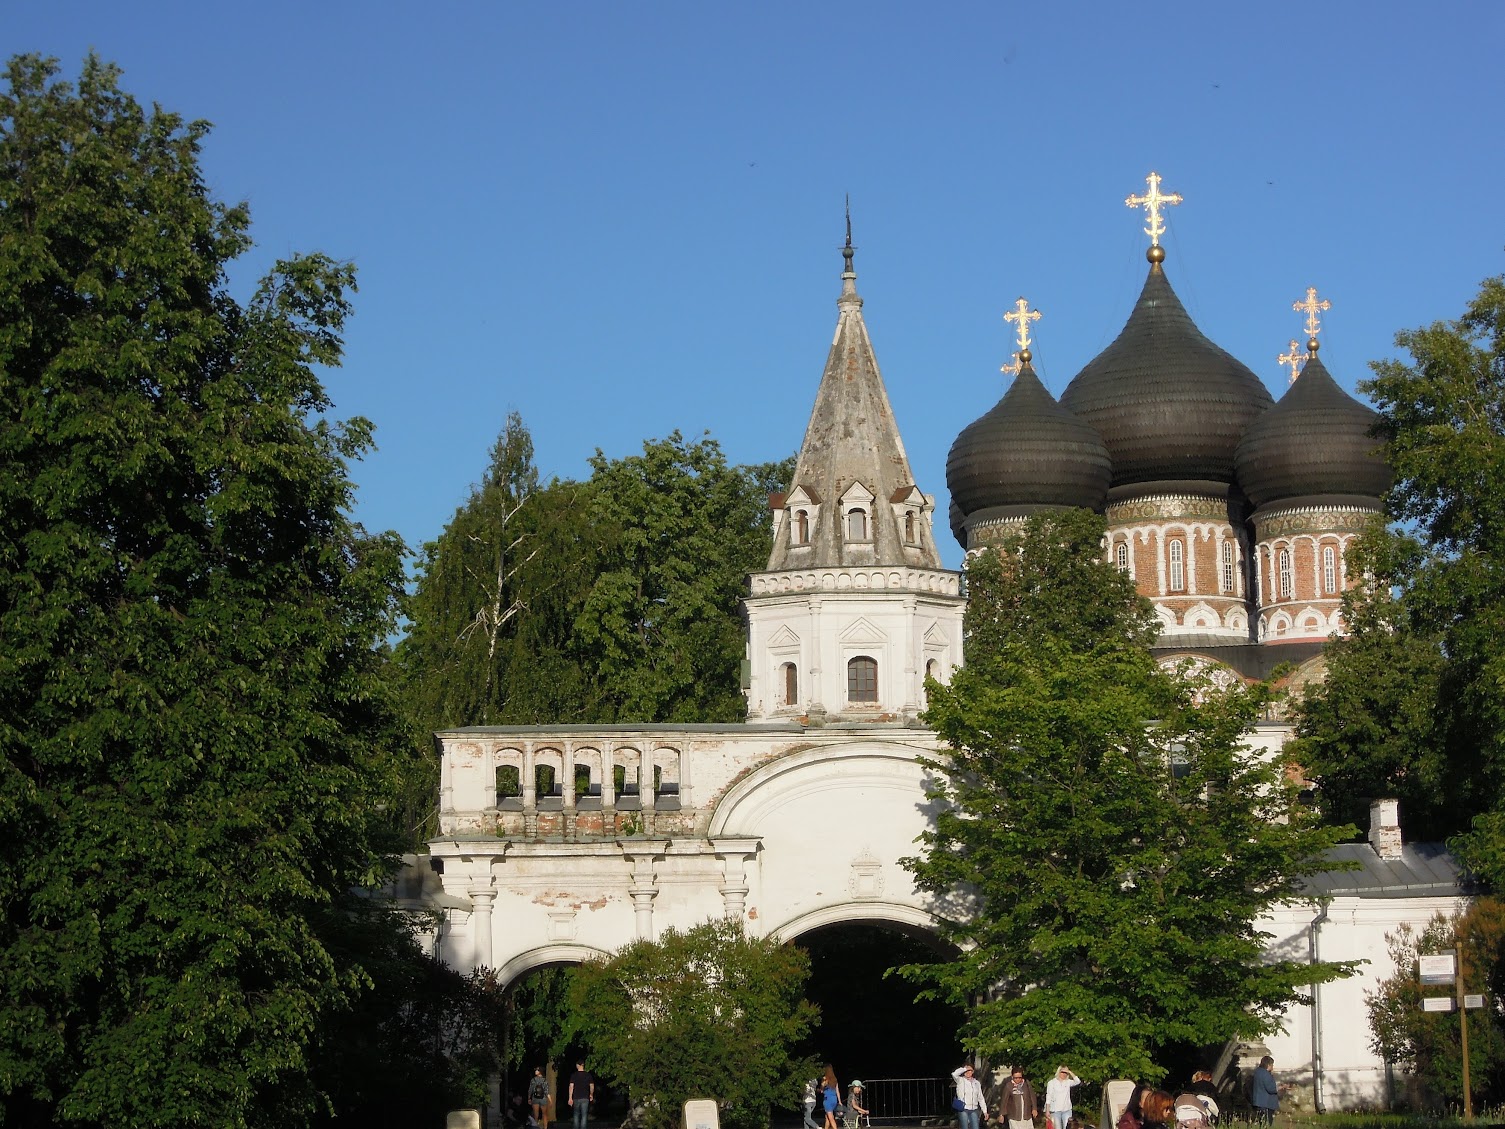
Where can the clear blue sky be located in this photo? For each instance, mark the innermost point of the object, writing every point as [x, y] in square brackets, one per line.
[622, 219]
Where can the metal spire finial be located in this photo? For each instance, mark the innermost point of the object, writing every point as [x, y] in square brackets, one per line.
[1152, 201]
[1293, 360]
[1313, 308]
[846, 252]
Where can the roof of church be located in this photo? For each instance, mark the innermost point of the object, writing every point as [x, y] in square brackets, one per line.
[1423, 870]
[852, 438]
[1027, 450]
[1169, 404]
[1316, 441]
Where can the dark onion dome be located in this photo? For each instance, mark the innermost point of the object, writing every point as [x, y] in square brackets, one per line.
[1314, 442]
[1027, 451]
[1169, 404]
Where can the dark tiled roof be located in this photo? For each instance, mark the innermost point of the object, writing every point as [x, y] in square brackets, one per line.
[1423, 870]
[1168, 403]
[1315, 441]
[1027, 450]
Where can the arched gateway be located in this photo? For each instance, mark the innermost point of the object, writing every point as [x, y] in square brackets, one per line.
[788, 828]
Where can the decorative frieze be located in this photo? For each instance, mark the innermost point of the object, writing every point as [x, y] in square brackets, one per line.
[942, 583]
[1162, 507]
[1329, 519]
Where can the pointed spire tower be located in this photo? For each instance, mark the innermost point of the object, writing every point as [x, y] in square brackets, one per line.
[854, 609]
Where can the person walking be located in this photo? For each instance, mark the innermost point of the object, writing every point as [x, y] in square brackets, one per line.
[812, 1096]
[830, 1096]
[1264, 1093]
[1058, 1096]
[970, 1104]
[582, 1092]
[1020, 1105]
[538, 1097]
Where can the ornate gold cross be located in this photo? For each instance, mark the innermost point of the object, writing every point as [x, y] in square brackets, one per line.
[1022, 314]
[1294, 360]
[1012, 367]
[1152, 201]
[1313, 308]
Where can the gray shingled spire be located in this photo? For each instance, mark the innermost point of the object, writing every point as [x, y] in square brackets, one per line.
[852, 440]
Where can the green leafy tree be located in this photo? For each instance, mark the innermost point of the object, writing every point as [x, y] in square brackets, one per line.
[1104, 842]
[1440, 614]
[705, 1013]
[1428, 1045]
[681, 531]
[195, 729]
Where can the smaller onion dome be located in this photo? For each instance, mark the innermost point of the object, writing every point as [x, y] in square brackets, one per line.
[1028, 451]
[1314, 442]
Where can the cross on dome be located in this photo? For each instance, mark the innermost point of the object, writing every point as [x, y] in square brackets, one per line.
[1012, 366]
[1152, 201]
[1312, 307]
[1022, 315]
[1294, 360]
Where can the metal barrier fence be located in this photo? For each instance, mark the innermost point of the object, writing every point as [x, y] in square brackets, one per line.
[909, 1099]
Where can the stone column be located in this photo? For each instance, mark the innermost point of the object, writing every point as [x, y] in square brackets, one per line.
[734, 854]
[645, 787]
[608, 788]
[529, 784]
[640, 853]
[482, 894]
[686, 755]
[567, 786]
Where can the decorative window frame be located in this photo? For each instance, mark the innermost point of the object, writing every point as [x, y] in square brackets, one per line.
[857, 498]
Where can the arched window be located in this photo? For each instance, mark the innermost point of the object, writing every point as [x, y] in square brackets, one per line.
[909, 527]
[856, 525]
[801, 527]
[862, 679]
[1329, 570]
[1284, 569]
[1178, 567]
[791, 684]
[1121, 556]
[1228, 569]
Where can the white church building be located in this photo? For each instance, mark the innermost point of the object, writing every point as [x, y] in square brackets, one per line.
[1231, 518]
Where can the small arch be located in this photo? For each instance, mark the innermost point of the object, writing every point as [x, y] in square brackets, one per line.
[862, 679]
[1283, 569]
[801, 527]
[1329, 570]
[1178, 565]
[909, 527]
[790, 678]
[1227, 573]
[1121, 556]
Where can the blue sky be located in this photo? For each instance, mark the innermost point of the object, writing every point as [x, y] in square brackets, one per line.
[623, 219]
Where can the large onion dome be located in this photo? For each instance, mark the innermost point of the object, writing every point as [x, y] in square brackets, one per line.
[1169, 404]
[1315, 442]
[1028, 452]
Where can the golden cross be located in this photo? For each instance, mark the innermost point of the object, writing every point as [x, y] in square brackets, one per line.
[1294, 359]
[1312, 307]
[1012, 367]
[1022, 314]
[1151, 202]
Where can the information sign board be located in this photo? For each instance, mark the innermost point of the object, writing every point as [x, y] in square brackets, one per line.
[1472, 1001]
[1437, 968]
[1437, 1003]
[700, 1113]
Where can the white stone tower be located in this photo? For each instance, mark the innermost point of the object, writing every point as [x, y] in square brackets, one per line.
[854, 609]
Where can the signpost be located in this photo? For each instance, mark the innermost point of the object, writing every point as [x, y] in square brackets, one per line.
[1447, 968]
[701, 1113]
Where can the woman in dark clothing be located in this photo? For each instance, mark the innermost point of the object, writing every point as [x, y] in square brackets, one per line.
[1133, 1117]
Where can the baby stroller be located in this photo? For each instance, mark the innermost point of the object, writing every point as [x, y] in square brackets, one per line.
[1196, 1111]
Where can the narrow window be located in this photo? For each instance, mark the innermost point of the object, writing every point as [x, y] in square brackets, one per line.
[1329, 570]
[862, 679]
[1228, 568]
[1285, 574]
[1178, 567]
[801, 527]
[909, 527]
[1121, 556]
[791, 684]
[856, 525]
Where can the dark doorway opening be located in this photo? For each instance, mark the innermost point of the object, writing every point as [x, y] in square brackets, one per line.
[871, 1025]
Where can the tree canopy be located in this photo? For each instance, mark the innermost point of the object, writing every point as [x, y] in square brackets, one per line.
[707, 1012]
[196, 734]
[1413, 705]
[1104, 840]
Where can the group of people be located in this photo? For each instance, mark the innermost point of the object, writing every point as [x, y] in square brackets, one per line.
[1196, 1107]
[540, 1104]
[826, 1093]
[1018, 1105]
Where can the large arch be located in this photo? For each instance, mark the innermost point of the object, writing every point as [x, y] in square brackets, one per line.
[544, 956]
[903, 918]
